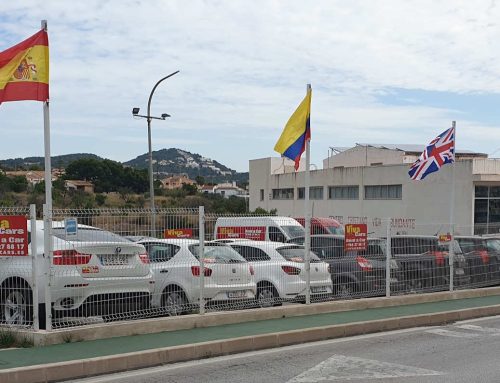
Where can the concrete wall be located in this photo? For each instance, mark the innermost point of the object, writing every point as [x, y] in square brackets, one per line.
[366, 156]
[423, 209]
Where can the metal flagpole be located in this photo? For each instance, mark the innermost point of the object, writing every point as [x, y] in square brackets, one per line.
[48, 204]
[307, 219]
[452, 208]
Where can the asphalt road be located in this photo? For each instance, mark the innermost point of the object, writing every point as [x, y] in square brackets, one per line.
[461, 352]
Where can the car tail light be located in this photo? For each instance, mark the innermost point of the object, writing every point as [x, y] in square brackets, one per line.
[485, 257]
[252, 271]
[144, 257]
[364, 263]
[439, 255]
[70, 257]
[290, 270]
[195, 270]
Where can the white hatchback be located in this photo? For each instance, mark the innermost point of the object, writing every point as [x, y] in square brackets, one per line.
[94, 272]
[280, 271]
[228, 278]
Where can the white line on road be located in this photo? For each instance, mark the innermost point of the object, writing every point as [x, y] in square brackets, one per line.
[450, 333]
[340, 367]
[489, 330]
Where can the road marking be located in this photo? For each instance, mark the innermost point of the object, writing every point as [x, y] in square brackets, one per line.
[450, 333]
[119, 376]
[489, 330]
[340, 367]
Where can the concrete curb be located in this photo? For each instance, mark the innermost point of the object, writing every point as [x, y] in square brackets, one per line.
[160, 356]
[186, 322]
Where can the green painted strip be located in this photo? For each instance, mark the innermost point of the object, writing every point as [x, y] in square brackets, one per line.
[90, 349]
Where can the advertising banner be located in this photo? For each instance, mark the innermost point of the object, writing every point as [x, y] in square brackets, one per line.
[355, 237]
[13, 236]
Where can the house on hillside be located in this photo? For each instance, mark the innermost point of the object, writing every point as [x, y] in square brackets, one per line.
[176, 182]
[32, 176]
[229, 189]
[85, 186]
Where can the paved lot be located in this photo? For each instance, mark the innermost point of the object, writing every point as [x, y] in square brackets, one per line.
[462, 352]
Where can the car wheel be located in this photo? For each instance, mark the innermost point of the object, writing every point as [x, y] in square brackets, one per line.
[17, 306]
[345, 289]
[174, 302]
[267, 296]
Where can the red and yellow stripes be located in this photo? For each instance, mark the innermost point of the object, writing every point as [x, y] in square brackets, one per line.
[24, 70]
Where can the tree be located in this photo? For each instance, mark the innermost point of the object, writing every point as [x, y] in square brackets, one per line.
[200, 180]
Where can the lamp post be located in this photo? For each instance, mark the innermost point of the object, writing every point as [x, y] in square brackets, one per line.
[135, 113]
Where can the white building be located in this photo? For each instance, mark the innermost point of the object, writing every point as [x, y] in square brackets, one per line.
[370, 184]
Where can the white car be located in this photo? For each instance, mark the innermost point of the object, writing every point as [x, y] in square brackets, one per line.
[280, 271]
[95, 272]
[175, 263]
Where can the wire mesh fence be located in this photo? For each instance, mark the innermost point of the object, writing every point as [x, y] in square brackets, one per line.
[114, 264]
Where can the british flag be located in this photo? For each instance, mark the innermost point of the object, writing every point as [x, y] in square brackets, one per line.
[440, 151]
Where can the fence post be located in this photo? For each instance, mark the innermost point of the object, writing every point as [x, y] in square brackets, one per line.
[34, 267]
[201, 252]
[388, 260]
[47, 253]
[307, 256]
[451, 258]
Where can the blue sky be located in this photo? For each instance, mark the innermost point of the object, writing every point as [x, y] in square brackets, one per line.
[383, 71]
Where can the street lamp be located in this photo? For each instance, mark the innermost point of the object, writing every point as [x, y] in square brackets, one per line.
[135, 113]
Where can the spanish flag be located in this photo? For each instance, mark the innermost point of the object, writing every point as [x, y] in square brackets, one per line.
[297, 132]
[24, 70]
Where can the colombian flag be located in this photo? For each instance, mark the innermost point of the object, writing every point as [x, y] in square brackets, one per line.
[24, 70]
[292, 141]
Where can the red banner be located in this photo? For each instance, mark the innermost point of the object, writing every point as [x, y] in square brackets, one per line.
[178, 233]
[257, 233]
[355, 237]
[13, 236]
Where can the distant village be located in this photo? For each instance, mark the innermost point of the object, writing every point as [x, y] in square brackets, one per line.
[170, 182]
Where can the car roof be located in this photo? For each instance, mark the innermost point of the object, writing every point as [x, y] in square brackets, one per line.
[266, 244]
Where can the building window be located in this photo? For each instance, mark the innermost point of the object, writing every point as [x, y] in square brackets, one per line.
[262, 194]
[383, 192]
[315, 192]
[487, 209]
[343, 192]
[283, 193]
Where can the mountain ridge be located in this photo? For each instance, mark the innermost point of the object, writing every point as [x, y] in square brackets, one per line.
[165, 162]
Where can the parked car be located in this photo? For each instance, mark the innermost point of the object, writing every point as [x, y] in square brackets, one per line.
[424, 262]
[280, 273]
[95, 272]
[355, 273]
[483, 259]
[228, 278]
[323, 225]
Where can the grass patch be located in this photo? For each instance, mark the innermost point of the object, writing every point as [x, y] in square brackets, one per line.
[9, 339]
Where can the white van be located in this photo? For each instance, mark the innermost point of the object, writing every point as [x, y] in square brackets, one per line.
[276, 229]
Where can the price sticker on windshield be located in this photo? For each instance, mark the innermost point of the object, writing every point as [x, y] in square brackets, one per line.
[13, 236]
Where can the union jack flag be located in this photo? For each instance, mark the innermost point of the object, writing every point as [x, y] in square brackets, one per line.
[440, 151]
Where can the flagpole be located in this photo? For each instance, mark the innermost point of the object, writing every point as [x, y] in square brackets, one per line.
[307, 219]
[48, 205]
[452, 208]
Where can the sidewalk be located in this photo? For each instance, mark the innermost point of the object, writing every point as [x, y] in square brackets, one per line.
[332, 325]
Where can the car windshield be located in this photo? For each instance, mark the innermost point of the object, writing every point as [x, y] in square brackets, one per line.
[88, 234]
[296, 254]
[293, 231]
[217, 253]
[494, 243]
[471, 244]
[339, 230]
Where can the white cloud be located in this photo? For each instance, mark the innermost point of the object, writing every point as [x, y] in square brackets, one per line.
[244, 66]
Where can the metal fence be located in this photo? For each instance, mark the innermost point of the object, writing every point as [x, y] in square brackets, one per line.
[103, 265]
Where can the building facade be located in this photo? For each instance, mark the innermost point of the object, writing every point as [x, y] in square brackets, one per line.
[370, 184]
